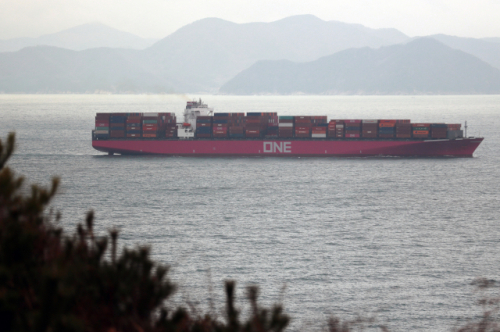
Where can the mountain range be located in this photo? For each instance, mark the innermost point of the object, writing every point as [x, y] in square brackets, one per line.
[82, 37]
[423, 66]
[212, 53]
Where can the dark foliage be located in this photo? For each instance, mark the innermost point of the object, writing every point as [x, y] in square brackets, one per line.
[50, 281]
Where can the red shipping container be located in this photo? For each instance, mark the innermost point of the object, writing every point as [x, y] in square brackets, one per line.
[117, 133]
[102, 124]
[149, 129]
[149, 135]
[451, 126]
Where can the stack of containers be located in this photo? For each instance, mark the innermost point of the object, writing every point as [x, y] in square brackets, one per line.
[236, 132]
[319, 120]
[319, 126]
[331, 128]
[150, 125]
[272, 125]
[285, 126]
[302, 125]
[439, 130]
[168, 121]
[253, 125]
[403, 129]
[386, 128]
[352, 128]
[454, 126]
[102, 125]
[236, 125]
[420, 130]
[220, 125]
[237, 119]
[204, 126]
[319, 131]
[117, 122]
[339, 129]
[454, 131]
[369, 128]
[134, 125]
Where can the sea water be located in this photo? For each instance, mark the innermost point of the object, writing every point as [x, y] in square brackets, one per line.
[397, 239]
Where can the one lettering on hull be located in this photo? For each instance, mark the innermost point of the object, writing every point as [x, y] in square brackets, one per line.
[277, 147]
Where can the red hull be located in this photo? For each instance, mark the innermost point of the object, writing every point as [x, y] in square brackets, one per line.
[293, 148]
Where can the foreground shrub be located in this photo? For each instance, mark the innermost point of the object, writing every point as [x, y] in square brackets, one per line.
[50, 281]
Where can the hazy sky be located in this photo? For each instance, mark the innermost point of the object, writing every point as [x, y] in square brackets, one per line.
[159, 18]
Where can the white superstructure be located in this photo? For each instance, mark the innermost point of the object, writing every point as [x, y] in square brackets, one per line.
[192, 111]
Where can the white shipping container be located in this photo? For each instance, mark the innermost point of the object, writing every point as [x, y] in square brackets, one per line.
[339, 126]
[150, 114]
[370, 121]
[286, 125]
[318, 135]
[101, 132]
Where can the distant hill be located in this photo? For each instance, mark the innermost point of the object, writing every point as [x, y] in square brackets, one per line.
[487, 49]
[199, 57]
[46, 69]
[81, 37]
[204, 55]
[423, 66]
[207, 53]
[492, 39]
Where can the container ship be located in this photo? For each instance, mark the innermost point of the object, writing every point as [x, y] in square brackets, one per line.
[205, 133]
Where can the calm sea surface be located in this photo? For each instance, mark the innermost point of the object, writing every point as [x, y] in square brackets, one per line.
[397, 239]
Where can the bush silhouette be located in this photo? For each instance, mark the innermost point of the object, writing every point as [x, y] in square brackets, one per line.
[50, 281]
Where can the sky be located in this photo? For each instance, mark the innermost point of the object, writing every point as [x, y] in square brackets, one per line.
[159, 18]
